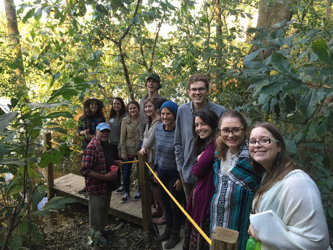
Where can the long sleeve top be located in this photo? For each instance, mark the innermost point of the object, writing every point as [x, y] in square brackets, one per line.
[129, 137]
[184, 138]
[165, 159]
[88, 123]
[203, 170]
[115, 125]
[149, 140]
[94, 160]
[291, 216]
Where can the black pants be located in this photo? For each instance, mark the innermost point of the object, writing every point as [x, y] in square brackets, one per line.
[114, 149]
[173, 214]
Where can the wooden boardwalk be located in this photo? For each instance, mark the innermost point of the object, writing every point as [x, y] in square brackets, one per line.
[69, 185]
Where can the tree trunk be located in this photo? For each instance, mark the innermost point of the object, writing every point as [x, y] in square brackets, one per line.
[219, 42]
[14, 39]
[123, 63]
[270, 15]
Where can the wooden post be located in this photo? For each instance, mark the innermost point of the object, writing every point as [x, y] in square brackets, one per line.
[49, 169]
[225, 239]
[147, 223]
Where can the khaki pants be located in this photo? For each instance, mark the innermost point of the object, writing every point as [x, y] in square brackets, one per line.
[98, 211]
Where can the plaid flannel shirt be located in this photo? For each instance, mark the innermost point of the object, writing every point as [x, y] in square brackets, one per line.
[93, 160]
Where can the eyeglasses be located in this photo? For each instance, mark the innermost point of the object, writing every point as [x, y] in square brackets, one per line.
[194, 90]
[234, 131]
[263, 141]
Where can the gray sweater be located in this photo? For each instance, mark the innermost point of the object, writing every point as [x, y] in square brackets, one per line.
[115, 126]
[184, 138]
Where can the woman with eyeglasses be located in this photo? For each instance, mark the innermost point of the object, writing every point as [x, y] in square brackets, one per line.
[287, 208]
[205, 124]
[234, 179]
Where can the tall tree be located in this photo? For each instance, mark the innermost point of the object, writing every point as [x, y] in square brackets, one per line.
[14, 40]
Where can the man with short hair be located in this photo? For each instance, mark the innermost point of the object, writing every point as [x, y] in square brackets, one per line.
[153, 84]
[100, 180]
[198, 89]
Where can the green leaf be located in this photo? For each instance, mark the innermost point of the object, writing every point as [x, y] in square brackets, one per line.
[3, 151]
[290, 146]
[36, 198]
[67, 93]
[329, 182]
[316, 145]
[12, 162]
[307, 103]
[64, 150]
[58, 129]
[6, 119]
[326, 72]
[16, 243]
[16, 190]
[280, 64]
[46, 105]
[45, 160]
[272, 89]
[322, 128]
[321, 49]
[29, 14]
[23, 226]
[59, 114]
[41, 213]
[38, 14]
[58, 202]
[38, 236]
[252, 55]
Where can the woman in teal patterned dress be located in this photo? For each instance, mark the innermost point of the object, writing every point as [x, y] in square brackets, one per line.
[235, 181]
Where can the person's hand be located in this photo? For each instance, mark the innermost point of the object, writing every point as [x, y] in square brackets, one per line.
[143, 151]
[198, 158]
[118, 162]
[110, 176]
[178, 185]
[251, 232]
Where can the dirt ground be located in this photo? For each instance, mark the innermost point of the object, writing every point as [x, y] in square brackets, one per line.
[69, 229]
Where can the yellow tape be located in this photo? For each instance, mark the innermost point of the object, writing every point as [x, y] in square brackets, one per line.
[181, 208]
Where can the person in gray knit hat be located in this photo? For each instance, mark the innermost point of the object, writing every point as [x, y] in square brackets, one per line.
[153, 84]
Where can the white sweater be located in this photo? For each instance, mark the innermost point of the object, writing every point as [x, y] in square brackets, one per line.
[291, 216]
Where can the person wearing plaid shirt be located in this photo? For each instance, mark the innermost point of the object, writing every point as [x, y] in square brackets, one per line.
[100, 181]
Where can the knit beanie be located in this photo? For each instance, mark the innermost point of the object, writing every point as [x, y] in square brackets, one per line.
[172, 106]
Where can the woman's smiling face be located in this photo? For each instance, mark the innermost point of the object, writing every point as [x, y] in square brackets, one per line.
[149, 108]
[266, 154]
[202, 128]
[229, 137]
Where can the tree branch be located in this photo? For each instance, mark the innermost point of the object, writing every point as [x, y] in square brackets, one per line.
[131, 23]
[155, 42]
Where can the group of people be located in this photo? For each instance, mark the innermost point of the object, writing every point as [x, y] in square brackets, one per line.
[225, 174]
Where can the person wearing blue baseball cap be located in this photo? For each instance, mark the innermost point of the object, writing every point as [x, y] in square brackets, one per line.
[100, 180]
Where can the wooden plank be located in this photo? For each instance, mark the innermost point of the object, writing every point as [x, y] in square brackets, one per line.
[145, 198]
[67, 186]
[224, 239]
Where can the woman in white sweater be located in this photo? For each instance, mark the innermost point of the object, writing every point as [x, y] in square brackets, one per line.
[287, 208]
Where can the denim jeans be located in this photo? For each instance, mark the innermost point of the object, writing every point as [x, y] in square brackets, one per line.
[127, 169]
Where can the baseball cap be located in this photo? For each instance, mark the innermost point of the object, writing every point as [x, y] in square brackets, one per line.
[102, 126]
